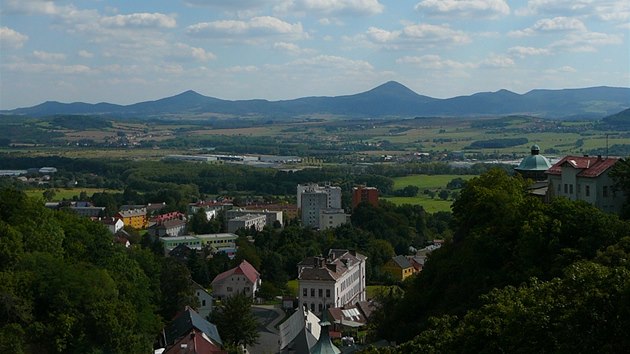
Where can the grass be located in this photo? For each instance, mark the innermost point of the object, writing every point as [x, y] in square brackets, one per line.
[427, 181]
[429, 205]
[292, 286]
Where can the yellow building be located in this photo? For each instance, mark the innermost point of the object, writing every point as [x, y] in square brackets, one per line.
[399, 267]
[136, 218]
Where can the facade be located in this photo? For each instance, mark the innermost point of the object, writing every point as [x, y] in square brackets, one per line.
[534, 166]
[586, 178]
[334, 281]
[399, 268]
[113, 224]
[247, 221]
[205, 300]
[197, 242]
[136, 218]
[172, 227]
[331, 218]
[241, 279]
[312, 199]
[365, 194]
[271, 215]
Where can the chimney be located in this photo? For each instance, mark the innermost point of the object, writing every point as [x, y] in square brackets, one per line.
[599, 157]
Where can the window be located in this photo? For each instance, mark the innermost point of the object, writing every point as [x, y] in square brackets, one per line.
[319, 307]
[587, 190]
[566, 188]
[579, 187]
[313, 307]
[203, 302]
[605, 192]
[559, 187]
[327, 292]
[312, 292]
[229, 289]
[304, 291]
[570, 189]
[320, 293]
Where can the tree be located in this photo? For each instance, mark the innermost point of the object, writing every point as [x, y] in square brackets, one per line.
[49, 194]
[236, 323]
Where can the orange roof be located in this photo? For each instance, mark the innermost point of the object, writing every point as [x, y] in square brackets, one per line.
[244, 268]
[590, 166]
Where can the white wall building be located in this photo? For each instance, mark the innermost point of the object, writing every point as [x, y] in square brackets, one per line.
[271, 215]
[247, 221]
[331, 218]
[586, 178]
[312, 199]
[334, 281]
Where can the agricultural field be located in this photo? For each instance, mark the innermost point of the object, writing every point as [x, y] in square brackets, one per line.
[432, 183]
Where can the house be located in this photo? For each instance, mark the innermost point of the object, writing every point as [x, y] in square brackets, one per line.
[300, 332]
[347, 319]
[331, 218]
[136, 218]
[247, 221]
[243, 278]
[586, 178]
[217, 242]
[170, 227]
[399, 268]
[113, 224]
[271, 216]
[205, 300]
[188, 330]
[181, 253]
[334, 281]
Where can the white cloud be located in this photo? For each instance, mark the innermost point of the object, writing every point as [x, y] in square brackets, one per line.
[230, 4]
[12, 38]
[435, 62]
[46, 56]
[549, 25]
[464, 8]
[586, 42]
[606, 10]
[332, 7]
[242, 69]
[527, 51]
[497, 61]
[336, 62]
[43, 68]
[255, 27]
[417, 34]
[184, 50]
[85, 54]
[141, 19]
[291, 48]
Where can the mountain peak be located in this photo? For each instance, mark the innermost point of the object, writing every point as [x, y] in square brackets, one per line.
[393, 88]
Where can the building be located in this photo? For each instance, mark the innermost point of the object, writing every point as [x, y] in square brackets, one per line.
[189, 332]
[247, 221]
[363, 194]
[212, 208]
[172, 227]
[534, 166]
[136, 218]
[300, 332]
[399, 268]
[243, 278]
[113, 224]
[312, 199]
[586, 178]
[218, 242]
[205, 300]
[272, 216]
[331, 218]
[334, 281]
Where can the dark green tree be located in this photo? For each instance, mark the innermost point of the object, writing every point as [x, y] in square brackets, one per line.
[236, 323]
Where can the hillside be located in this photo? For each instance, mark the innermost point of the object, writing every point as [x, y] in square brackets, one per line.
[391, 99]
[620, 120]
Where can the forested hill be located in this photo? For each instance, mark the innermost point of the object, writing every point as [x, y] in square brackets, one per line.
[391, 99]
[520, 276]
[65, 287]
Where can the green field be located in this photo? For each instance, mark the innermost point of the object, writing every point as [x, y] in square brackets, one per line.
[426, 181]
[429, 205]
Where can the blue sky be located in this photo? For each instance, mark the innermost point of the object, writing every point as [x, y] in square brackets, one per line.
[130, 51]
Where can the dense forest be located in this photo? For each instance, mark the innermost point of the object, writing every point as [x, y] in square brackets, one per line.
[519, 276]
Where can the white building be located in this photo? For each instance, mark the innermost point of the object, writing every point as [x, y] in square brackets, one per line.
[205, 300]
[243, 279]
[334, 281]
[331, 218]
[271, 215]
[586, 178]
[312, 199]
[247, 221]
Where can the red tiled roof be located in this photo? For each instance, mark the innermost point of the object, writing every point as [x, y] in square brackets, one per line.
[590, 166]
[244, 268]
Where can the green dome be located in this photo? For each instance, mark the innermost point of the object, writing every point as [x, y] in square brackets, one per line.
[534, 163]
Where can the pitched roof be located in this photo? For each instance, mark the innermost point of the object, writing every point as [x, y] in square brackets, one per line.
[590, 166]
[185, 322]
[402, 262]
[244, 268]
[300, 331]
[331, 268]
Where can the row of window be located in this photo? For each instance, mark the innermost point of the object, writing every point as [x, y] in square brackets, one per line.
[568, 189]
[320, 292]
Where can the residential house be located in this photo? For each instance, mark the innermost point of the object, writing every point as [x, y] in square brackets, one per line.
[243, 278]
[205, 300]
[181, 253]
[334, 281]
[191, 332]
[271, 216]
[586, 178]
[136, 218]
[300, 332]
[113, 224]
[210, 207]
[399, 268]
[171, 227]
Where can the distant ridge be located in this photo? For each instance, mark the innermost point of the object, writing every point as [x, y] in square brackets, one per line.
[390, 99]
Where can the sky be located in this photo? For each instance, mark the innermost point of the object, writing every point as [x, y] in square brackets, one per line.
[126, 51]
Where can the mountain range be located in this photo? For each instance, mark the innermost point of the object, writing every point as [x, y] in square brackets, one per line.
[391, 99]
